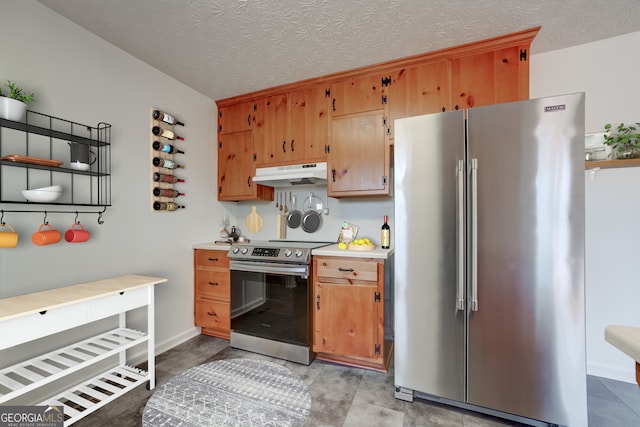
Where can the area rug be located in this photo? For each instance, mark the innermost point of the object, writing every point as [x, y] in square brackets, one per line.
[232, 392]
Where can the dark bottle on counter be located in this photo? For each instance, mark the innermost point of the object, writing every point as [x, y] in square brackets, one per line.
[167, 118]
[166, 192]
[165, 133]
[386, 234]
[166, 163]
[161, 177]
[168, 206]
[166, 148]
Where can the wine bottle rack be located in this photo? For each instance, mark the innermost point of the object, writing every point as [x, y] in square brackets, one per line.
[179, 158]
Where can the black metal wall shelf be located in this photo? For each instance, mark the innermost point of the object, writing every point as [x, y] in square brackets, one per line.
[47, 139]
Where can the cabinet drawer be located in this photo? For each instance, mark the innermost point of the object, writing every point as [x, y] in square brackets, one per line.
[348, 268]
[212, 284]
[32, 326]
[212, 314]
[206, 258]
[117, 303]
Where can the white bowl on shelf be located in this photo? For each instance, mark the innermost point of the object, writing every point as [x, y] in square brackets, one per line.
[42, 195]
[80, 166]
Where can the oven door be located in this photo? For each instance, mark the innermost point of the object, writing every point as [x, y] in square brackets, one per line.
[271, 301]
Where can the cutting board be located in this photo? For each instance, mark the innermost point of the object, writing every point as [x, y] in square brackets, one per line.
[254, 221]
[281, 226]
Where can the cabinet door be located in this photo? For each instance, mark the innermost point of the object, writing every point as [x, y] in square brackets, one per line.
[490, 77]
[235, 166]
[415, 91]
[271, 133]
[358, 155]
[345, 320]
[235, 118]
[308, 124]
[355, 95]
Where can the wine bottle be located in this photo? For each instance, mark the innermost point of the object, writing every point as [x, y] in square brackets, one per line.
[166, 192]
[166, 148]
[161, 177]
[166, 163]
[166, 206]
[386, 234]
[167, 118]
[165, 133]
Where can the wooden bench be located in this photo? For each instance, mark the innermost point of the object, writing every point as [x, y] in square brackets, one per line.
[627, 340]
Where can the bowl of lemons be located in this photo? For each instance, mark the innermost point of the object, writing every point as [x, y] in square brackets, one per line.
[363, 244]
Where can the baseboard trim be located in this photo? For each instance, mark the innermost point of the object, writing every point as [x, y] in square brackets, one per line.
[625, 375]
[140, 354]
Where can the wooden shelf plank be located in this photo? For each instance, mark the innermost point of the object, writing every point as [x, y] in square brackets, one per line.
[608, 164]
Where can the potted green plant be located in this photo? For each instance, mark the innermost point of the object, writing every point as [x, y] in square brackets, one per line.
[13, 106]
[624, 140]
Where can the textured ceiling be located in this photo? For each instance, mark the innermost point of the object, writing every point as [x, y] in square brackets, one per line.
[224, 48]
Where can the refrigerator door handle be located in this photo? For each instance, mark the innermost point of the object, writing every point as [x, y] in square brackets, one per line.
[474, 234]
[460, 230]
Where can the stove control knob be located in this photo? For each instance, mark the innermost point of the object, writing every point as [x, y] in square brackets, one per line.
[244, 251]
[298, 253]
[287, 253]
[236, 250]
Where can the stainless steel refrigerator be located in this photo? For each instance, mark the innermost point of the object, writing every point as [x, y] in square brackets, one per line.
[489, 253]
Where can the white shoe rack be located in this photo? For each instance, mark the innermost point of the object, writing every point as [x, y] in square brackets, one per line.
[25, 318]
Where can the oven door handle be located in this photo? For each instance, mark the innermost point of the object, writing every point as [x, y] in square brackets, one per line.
[268, 267]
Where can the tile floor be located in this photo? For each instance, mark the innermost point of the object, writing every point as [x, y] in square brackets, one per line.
[351, 397]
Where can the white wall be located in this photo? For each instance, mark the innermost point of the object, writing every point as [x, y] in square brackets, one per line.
[607, 71]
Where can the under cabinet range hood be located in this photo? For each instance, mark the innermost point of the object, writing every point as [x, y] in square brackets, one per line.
[289, 175]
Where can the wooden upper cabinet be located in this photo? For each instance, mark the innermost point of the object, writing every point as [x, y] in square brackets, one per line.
[236, 169]
[309, 123]
[235, 166]
[419, 90]
[492, 77]
[356, 95]
[271, 133]
[235, 118]
[347, 118]
[291, 127]
[358, 157]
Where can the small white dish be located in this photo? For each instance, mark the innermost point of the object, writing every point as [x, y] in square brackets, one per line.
[80, 166]
[42, 195]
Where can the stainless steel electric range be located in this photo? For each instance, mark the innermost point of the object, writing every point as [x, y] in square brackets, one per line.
[271, 291]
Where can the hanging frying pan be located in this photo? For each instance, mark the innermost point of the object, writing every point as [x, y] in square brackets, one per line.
[295, 216]
[311, 219]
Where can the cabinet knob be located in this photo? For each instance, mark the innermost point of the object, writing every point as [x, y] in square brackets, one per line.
[213, 283]
[211, 313]
[213, 259]
[345, 270]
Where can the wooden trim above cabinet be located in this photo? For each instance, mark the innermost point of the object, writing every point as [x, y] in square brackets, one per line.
[513, 39]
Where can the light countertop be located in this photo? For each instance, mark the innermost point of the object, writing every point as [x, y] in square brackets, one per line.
[212, 246]
[333, 250]
[22, 305]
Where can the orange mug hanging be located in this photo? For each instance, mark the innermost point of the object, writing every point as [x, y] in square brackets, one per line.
[46, 237]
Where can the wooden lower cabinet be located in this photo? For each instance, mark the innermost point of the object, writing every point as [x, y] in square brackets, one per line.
[211, 292]
[352, 308]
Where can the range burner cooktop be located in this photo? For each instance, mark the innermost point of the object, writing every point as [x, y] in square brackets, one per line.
[275, 251]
